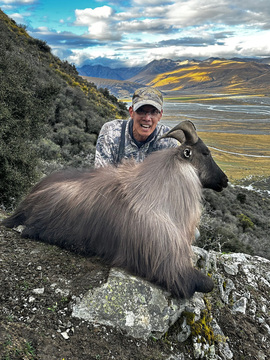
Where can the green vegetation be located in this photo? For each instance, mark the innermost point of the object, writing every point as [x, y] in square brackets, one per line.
[14, 348]
[202, 328]
[235, 220]
[49, 116]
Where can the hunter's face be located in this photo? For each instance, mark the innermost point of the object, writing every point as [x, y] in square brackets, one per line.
[145, 120]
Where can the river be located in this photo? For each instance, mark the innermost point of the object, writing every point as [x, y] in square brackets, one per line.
[249, 115]
[252, 117]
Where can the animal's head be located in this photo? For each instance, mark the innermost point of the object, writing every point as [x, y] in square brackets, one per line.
[193, 150]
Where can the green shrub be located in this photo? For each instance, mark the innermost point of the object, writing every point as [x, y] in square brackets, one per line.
[245, 221]
[43, 118]
[235, 220]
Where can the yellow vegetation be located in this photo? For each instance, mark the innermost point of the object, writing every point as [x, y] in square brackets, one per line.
[236, 80]
[224, 62]
[250, 144]
[208, 97]
[240, 166]
[205, 72]
[180, 74]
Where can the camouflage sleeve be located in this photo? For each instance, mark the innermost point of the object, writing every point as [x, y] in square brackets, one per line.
[108, 144]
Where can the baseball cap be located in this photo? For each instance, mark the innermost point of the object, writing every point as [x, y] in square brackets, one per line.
[147, 96]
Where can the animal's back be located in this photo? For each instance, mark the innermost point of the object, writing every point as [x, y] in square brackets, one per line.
[71, 186]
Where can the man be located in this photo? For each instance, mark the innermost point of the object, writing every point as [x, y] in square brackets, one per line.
[137, 137]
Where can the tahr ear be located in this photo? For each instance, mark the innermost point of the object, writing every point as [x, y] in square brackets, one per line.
[185, 131]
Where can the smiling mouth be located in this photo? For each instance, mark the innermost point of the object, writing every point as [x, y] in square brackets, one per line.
[145, 126]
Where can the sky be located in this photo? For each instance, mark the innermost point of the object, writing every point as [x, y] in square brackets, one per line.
[120, 33]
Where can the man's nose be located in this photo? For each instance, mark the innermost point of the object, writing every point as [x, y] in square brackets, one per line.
[148, 114]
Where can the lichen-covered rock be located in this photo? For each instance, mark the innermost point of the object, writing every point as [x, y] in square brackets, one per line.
[239, 303]
[130, 303]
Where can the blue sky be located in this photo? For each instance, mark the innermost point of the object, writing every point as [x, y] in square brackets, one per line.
[135, 32]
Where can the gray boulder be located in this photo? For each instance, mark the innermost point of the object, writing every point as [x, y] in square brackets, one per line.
[142, 310]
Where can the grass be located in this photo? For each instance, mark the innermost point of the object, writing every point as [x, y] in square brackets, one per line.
[240, 166]
[17, 349]
[213, 97]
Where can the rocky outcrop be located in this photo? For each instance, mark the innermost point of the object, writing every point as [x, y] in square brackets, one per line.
[58, 305]
[235, 315]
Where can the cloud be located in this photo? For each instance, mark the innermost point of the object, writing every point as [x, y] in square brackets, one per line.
[17, 17]
[189, 41]
[99, 57]
[99, 22]
[169, 17]
[7, 7]
[62, 39]
[152, 2]
[87, 16]
[138, 31]
[196, 12]
[101, 60]
[145, 25]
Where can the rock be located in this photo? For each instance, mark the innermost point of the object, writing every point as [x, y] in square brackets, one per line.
[65, 335]
[143, 310]
[38, 291]
[19, 228]
[240, 306]
[131, 304]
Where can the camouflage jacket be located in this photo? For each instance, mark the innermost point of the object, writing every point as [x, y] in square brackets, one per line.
[108, 143]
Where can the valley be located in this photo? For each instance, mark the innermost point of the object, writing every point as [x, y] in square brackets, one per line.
[236, 129]
[232, 124]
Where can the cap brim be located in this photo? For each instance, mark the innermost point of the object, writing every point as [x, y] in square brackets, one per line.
[147, 102]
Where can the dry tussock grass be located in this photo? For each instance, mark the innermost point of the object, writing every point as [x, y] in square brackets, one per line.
[240, 166]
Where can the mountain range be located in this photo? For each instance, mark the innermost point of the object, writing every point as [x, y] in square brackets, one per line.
[213, 75]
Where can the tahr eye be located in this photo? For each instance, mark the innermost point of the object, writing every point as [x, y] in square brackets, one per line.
[187, 153]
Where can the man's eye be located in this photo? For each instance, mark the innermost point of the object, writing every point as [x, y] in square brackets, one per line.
[143, 112]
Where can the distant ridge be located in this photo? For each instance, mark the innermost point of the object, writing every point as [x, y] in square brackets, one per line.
[213, 75]
[121, 89]
[152, 69]
[105, 72]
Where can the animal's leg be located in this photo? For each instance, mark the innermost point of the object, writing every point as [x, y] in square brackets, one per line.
[204, 283]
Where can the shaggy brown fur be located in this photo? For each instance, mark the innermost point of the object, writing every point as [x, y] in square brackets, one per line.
[140, 217]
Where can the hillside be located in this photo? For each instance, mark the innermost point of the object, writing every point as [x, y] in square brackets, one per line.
[121, 89]
[219, 75]
[49, 115]
[156, 67]
[245, 76]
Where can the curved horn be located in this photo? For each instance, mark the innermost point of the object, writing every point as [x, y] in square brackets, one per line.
[185, 131]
